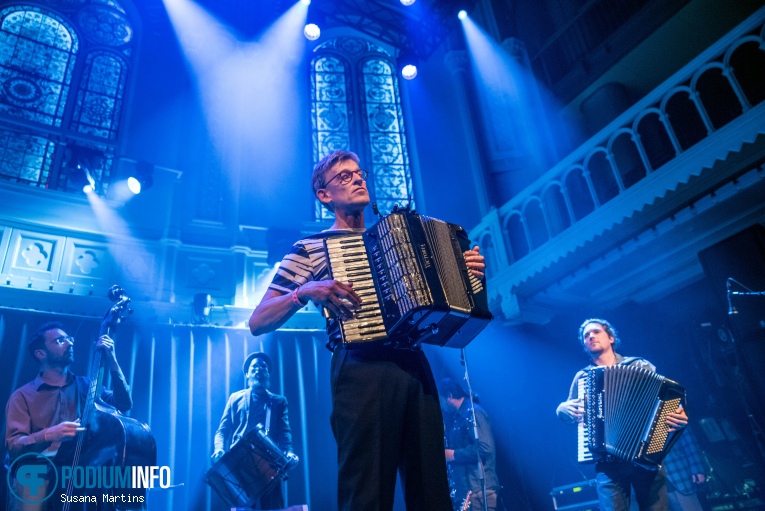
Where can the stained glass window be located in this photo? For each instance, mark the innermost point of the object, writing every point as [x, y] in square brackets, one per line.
[330, 112]
[99, 101]
[25, 158]
[37, 54]
[355, 105]
[46, 114]
[385, 131]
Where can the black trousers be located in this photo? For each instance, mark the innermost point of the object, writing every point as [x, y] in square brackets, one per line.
[386, 419]
[614, 480]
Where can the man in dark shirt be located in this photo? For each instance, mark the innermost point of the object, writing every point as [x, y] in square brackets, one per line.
[251, 407]
[47, 411]
[470, 459]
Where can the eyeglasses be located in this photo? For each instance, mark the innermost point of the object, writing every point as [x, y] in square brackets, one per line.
[64, 338]
[346, 176]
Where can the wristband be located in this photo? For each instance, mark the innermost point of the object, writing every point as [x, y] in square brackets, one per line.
[296, 299]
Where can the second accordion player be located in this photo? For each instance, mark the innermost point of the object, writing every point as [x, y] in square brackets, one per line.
[625, 410]
[411, 275]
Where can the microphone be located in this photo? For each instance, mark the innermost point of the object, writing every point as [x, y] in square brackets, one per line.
[375, 210]
[731, 309]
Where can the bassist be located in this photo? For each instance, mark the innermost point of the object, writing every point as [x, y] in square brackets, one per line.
[46, 411]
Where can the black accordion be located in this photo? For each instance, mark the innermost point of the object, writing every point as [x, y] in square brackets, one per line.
[625, 410]
[413, 280]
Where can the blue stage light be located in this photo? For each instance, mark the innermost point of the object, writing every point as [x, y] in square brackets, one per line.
[462, 14]
[407, 2]
[141, 178]
[80, 176]
[312, 31]
[409, 71]
[134, 185]
[78, 163]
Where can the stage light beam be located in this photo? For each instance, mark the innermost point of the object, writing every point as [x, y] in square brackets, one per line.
[462, 14]
[517, 107]
[247, 91]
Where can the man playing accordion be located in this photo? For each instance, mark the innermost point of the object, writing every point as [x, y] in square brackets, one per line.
[615, 477]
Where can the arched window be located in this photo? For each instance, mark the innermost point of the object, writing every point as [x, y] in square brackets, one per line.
[99, 101]
[63, 77]
[355, 105]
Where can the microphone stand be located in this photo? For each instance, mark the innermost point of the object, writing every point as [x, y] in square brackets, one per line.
[481, 472]
[731, 309]
[757, 431]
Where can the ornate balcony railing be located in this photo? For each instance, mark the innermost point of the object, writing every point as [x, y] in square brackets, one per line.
[704, 112]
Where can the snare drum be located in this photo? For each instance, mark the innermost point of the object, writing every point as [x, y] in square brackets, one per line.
[252, 468]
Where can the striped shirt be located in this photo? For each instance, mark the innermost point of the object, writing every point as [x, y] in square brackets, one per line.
[306, 262]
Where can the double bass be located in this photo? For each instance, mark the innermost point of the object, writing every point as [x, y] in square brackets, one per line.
[109, 438]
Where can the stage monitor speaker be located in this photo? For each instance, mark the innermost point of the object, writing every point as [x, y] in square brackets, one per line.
[740, 257]
[582, 496]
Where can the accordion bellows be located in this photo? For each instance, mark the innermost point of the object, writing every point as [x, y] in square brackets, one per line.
[625, 410]
[415, 286]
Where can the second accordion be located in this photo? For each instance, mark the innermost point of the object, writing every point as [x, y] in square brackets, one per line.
[411, 275]
[625, 410]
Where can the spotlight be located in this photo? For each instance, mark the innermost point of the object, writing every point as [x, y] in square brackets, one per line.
[407, 63]
[134, 185]
[312, 31]
[78, 163]
[407, 2]
[462, 14]
[305, 2]
[409, 71]
[80, 176]
[142, 177]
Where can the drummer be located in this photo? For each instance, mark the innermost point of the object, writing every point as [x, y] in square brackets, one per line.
[253, 406]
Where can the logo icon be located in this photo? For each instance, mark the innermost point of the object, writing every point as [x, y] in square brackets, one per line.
[30, 471]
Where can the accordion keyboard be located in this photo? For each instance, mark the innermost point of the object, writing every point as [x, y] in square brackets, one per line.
[348, 263]
[584, 455]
